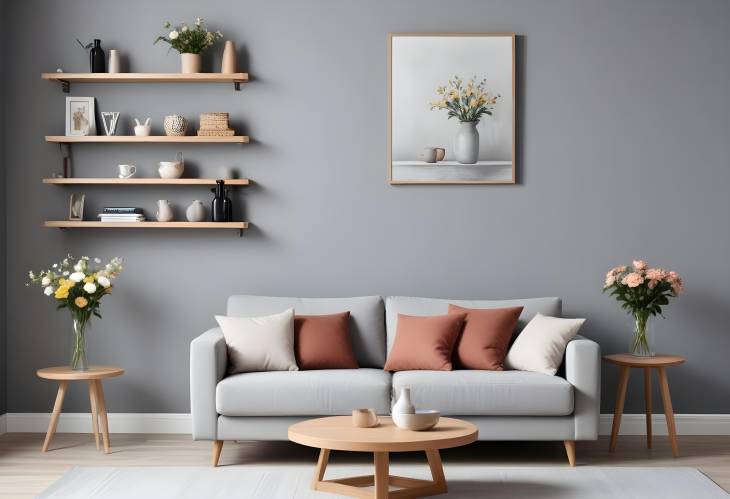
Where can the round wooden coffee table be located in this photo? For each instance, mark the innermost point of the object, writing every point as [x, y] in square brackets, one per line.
[94, 375]
[338, 433]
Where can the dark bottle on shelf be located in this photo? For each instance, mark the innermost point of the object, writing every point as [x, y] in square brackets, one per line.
[218, 209]
[97, 58]
[227, 206]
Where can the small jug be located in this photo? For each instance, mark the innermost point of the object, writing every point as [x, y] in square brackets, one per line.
[164, 211]
[404, 405]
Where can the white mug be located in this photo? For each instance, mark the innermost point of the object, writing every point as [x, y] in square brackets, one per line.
[126, 171]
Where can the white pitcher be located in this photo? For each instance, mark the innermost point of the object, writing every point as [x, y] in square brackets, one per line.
[164, 211]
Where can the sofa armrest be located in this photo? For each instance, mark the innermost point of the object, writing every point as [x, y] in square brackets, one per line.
[583, 371]
[208, 361]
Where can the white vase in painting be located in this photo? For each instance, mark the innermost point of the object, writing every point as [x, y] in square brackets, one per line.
[466, 144]
[191, 63]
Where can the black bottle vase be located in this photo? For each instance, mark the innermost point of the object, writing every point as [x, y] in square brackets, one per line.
[97, 59]
[227, 206]
[217, 208]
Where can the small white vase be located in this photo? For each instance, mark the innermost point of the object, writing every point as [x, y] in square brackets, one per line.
[466, 145]
[114, 63]
[404, 405]
[195, 212]
[164, 211]
[191, 63]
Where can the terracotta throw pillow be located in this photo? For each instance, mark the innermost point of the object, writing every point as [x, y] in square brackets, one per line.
[484, 342]
[424, 342]
[323, 342]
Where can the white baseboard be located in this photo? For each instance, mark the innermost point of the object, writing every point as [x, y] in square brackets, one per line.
[37, 422]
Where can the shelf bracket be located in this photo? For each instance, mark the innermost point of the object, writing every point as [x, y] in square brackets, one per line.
[65, 86]
[240, 232]
[237, 86]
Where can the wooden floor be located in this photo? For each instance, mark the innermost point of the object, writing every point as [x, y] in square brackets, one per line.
[25, 470]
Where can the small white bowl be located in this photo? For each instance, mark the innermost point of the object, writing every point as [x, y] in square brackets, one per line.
[420, 421]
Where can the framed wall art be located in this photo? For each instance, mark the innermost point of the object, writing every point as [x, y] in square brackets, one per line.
[451, 108]
[80, 116]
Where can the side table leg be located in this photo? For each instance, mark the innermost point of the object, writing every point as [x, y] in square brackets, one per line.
[94, 413]
[62, 385]
[647, 400]
[668, 411]
[101, 407]
[382, 478]
[623, 381]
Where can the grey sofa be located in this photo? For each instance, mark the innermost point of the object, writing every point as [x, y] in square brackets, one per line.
[504, 405]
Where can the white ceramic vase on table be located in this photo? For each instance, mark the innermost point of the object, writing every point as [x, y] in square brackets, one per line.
[404, 405]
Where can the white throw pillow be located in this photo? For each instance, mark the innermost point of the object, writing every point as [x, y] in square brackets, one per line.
[260, 343]
[541, 344]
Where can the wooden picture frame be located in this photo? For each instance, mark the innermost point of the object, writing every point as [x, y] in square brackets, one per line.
[463, 46]
[80, 116]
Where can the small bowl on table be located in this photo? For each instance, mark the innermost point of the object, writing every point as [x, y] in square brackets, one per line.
[364, 418]
[420, 421]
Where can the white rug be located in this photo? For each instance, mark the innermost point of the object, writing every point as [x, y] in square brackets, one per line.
[292, 481]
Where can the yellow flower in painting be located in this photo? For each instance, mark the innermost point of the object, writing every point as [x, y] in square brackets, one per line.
[440, 90]
[61, 293]
[454, 94]
[81, 302]
[472, 102]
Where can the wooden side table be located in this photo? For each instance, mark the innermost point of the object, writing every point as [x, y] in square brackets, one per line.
[625, 362]
[94, 375]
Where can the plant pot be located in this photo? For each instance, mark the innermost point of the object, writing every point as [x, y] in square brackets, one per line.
[642, 339]
[191, 63]
[466, 145]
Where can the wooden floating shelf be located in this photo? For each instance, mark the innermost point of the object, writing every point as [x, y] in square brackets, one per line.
[185, 139]
[141, 181]
[67, 78]
[69, 224]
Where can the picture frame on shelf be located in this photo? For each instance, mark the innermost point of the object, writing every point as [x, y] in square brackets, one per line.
[469, 77]
[80, 116]
[76, 207]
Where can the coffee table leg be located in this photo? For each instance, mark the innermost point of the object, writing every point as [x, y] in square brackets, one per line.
[55, 415]
[324, 456]
[437, 469]
[381, 474]
[623, 381]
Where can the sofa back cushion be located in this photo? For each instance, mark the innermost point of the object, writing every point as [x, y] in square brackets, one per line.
[366, 318]
[409, 305]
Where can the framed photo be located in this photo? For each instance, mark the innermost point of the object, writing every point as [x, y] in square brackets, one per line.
[451, 108]
[80, 116]
[76, 207]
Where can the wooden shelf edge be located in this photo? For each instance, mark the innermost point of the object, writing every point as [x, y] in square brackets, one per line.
[71, 224]
[141, 181]
[147, 77]
[165, 139]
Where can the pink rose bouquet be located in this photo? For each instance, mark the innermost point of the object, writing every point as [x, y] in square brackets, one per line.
[642, 292]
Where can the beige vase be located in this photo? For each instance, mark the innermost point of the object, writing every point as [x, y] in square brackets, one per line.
[191, 63]
[228, 65]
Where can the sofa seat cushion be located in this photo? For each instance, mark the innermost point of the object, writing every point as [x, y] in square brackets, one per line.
[324, 392]
[487, 393]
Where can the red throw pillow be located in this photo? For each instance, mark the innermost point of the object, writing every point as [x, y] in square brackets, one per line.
[424, 342]
[484, 342]
[323, 342]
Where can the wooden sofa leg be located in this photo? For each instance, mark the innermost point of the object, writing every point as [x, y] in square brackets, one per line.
[570, 450]
[217, 448]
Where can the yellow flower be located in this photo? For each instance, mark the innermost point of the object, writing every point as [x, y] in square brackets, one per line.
[90, 279]
[81, 302]
[61, 293]
[440, 90]
[472, 102]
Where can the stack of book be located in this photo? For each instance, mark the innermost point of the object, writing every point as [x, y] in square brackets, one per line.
[122, 214]
[215, 125]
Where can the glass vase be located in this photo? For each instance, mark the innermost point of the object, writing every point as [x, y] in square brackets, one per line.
[642, 340]
[78, 346]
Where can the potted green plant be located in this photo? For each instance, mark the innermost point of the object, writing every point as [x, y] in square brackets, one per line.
[78, 286]
[190, 42]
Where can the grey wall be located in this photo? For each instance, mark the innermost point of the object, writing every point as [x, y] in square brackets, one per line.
[623, 152]
[3, 336]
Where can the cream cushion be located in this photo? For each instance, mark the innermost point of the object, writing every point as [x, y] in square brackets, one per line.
[259, 343]
[541, 344]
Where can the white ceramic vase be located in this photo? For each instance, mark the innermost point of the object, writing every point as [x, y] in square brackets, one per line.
[164, 211]
[404, 405]
[114, 62]
[228, 64]
[171, 169]
[195, 212]
[175, 125]
[191, 63]
[466, 145]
